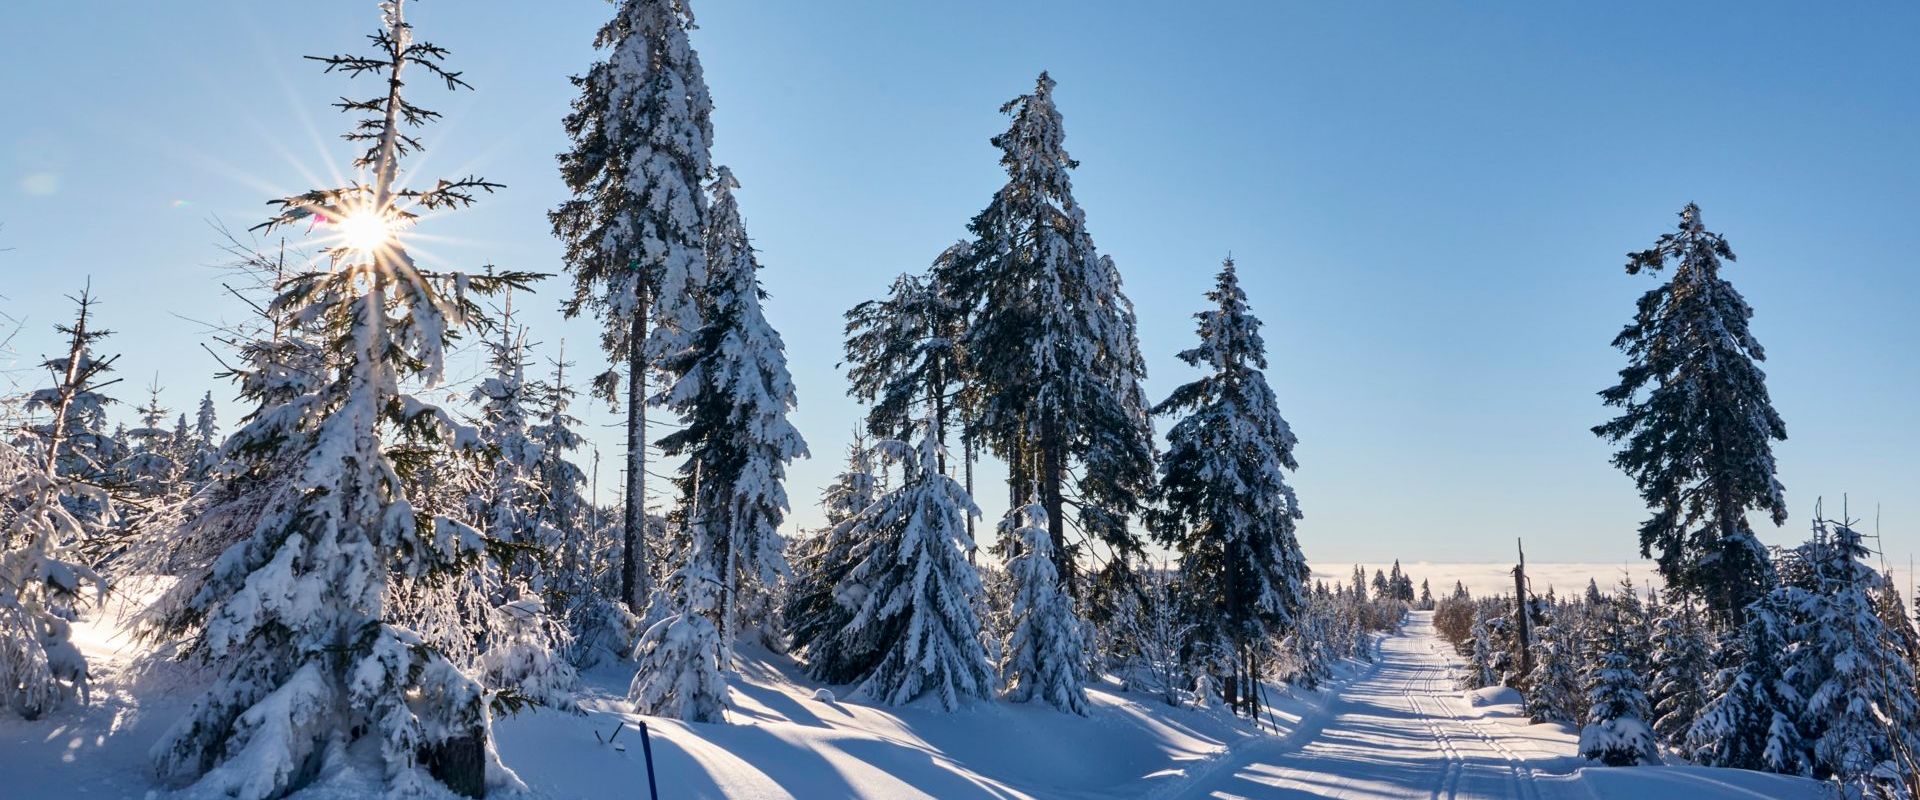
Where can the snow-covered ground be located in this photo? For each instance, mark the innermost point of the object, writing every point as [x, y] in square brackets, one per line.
[1396, 729]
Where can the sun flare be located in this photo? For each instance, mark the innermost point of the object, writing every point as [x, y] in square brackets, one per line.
[365, 232]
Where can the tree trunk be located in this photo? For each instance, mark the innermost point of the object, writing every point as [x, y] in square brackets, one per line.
[635, 581]
[1729, 571]
[973, 541]
[1052, 474]
[1252, 692]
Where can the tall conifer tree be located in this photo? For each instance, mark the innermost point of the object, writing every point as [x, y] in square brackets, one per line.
[1223, 482]
[1697, 427]
[1052, 344]
[735, 394]
[634, 229]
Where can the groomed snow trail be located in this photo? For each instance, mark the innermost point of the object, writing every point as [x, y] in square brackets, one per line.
[1402, 731]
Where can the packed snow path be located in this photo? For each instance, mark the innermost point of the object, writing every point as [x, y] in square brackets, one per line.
[1401, 731]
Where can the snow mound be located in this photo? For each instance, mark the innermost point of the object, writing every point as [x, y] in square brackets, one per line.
[1495, 696]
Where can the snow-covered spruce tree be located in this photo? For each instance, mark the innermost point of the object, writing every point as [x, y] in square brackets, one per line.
[599, 624]
[634, 230]
[1697, 428]
[1051, 341]
[911, 591]
[680, 673]
[1860, 707]
[42, 577]
[1892, 610]
[276, 359]
[149, 469]
[814, 618]
[525, 659]
[1483, 656]
[1554, 692]
[524, 649]
[1045, 655]
[1616, 732]
[903, 353]
[1682, 664]
[1162, 629]
[1306, 654]
[1637, 628]
[505, 502]
[314, 685]
[1752, 716]
[1226, 506]
[1425, 603]
[180, 443]
[203, 444]
[75, 415]
[734, 392]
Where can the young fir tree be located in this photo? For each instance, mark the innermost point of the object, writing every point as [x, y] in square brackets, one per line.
[813, 615]
[680, 674]
[1426, 596]
[1636, 628]
[1228, 510]
[1751, 719]
[1051, 342]
[506, 500]
[1484, 655]
[1553, 687]
[1682, 662]
[911, 592]
[42, 577]
[598, 623]
[311, 678]
[1697, 428]
[524, 646]
[149, 469]
[180, 443]
[634, 230]
[1860, 707]
[76, 417]
[735, 393]
[1616, 733]
[204, 442]
[1045, 655]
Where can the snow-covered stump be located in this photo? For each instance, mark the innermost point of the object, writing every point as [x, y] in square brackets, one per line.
[460, 762]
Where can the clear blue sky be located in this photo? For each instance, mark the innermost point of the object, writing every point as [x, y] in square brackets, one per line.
[1430, 203]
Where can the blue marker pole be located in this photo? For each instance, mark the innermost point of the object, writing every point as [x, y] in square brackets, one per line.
[646, 747]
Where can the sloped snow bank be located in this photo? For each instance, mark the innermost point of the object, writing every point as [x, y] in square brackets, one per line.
[784, 743]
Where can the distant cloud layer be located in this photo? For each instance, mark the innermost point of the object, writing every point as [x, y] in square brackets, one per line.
[1484, 579]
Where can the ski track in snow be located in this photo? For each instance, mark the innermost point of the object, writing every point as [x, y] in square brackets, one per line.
[1402, 731]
